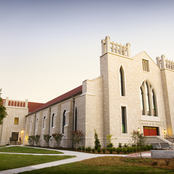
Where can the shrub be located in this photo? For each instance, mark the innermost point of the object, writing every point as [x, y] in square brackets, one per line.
[135, 149]
[97, 142]
[31, 139]
[125, 150]
[86, 149]
[111, 150]
[103, 150]
[83, 148]
[129, 149]
[118, 150]
[120, 145]
[57, 137]
[114, 149]
[99, 149]
[93, 150]
[36, 138]
[47, 138]
[79, 148]
[89, 149]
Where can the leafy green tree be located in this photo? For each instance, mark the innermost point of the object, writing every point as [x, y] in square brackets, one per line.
[3, 112]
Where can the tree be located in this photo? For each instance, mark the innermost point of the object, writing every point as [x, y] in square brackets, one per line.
[76, 137]
[58, 138]
[97, 141]
[138, 139]
[3, 112]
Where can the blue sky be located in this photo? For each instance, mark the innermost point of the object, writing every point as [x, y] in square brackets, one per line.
[49, 47]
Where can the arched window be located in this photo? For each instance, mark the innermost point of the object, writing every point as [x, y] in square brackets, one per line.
[44, 122]
[63, 123]
[142, 101]
[148, 99]
[76, 119]
[52, 121]
[154, 106]
[122, 82]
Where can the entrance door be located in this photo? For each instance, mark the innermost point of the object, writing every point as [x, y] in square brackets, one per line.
[150, 131]
[15, 136]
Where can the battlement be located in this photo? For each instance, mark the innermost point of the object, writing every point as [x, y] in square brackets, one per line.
[164, 63]
[15, 103]
[108, 46]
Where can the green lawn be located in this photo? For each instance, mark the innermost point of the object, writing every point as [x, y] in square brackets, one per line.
[80, 168]
[9, 161]
[20, 149]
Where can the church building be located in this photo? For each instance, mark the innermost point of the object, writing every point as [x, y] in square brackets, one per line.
[131, 93]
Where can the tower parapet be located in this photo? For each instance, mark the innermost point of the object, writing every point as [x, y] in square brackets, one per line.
[108, 46]
[15, 103]
[164, 63]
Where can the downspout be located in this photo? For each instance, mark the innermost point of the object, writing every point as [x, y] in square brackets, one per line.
[50, 121]
[34, 127]
[73, 118]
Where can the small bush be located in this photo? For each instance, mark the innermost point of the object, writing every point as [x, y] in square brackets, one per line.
[129, 149]
[111, 150]
[118, 150]
[89, 149]
[83, 148]
[135, 149]
[99, 149]
[120, 145]
[125, 150]
[79, 148]
[86, 149]
[114, 149]
[103, 150]
[93, 150]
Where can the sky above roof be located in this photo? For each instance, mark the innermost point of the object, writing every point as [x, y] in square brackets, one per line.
[49, 47]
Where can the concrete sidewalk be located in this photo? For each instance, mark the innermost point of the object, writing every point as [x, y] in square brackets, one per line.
[79, 157]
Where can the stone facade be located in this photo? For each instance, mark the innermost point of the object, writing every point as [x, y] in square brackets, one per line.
[131, 93]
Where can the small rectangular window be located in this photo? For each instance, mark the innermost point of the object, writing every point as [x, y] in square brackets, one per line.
[124, 120]
[145, 65]
[16, 120]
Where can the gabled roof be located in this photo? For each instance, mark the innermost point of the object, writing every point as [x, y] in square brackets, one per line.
[60, 98]
[32, 106]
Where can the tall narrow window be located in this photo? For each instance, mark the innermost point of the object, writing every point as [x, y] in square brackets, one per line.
[154, 106]
[145, 65]
[63, 121]
[75, 119]
[124, 120]
[44, 122]
[142, 101]
[122, 84]
[52, 121]
[147, 99]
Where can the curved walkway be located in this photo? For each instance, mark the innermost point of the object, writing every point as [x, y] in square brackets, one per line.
[79, 157]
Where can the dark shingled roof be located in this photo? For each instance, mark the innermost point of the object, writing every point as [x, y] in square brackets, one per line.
[62, 97]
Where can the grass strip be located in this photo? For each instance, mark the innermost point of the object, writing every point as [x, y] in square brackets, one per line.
[10, 161]
[20, 149]
[78, 168]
